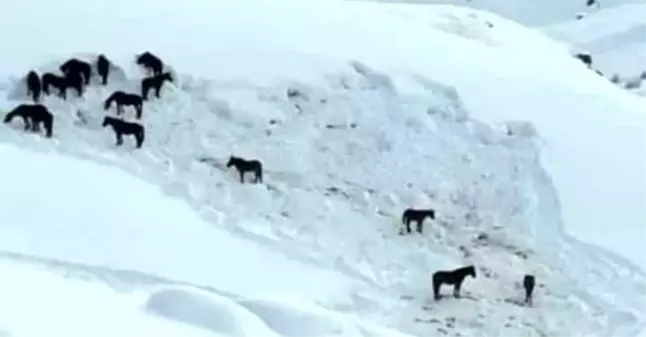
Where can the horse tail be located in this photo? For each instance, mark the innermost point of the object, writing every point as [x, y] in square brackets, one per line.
[108, 101]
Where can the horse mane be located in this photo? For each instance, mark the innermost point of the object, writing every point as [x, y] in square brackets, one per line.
[109, 100]
[466, 270]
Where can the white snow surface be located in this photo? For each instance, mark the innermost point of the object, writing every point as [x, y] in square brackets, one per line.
[615, 37]
[395, 109]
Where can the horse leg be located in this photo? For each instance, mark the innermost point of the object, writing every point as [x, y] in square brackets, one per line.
[407, 223]
[436, 289]
[119, 139]
[35, 126]
[420, 222]
[26, 122]
[456, 289]
[157, 90]
[241, 176]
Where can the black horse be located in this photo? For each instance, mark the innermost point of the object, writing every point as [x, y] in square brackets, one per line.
[122, 98]
[454, 277]
[71, 80]
[529, 281]
[33, 115]
[585, 58]
[103, 68]
[243, 166]
[417, 215]
[150, 62]
[77, 66]
[33, 85]
[155, 82]
[121, 128]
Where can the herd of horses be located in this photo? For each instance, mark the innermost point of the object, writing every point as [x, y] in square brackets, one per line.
[77, 74]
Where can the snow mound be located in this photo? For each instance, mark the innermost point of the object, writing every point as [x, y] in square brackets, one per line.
[294, 318]
[216, 313]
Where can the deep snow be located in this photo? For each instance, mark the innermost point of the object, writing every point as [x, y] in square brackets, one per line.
[615, 37]
[332, 199]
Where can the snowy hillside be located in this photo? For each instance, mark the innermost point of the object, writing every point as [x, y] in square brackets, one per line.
[527, 12]
[615, 37]
[352, 126]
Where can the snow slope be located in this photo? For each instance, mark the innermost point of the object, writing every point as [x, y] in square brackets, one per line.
[615, 37]
[129, 225]
[527, 12]
[427, 110]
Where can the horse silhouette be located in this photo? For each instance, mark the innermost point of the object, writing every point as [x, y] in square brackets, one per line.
[122, 98]
[103, 68]
[155, 82]
[417, 215]
[121, 128]
[243, 166]
[453, 277]
[150, 62]
[71, 80]
[33, 115]
[34, 86]
[529, 281]
[79, 67]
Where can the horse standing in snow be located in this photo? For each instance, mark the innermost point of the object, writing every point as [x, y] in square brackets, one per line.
[417, 215]
[150, 62]
[103, 68]
[155, 82]
[79, 67]
[121, 128]
[33, 115]
[453, 277]
[528, 283]
[72, 80]
[122, 98]
[33, 85]
[243, 166]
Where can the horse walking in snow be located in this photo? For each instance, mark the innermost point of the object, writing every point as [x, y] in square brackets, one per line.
[417, 215]
[32, 115]
[243, 166]
[122, 98]
[529, 281]
[453, 277]
[121, 128]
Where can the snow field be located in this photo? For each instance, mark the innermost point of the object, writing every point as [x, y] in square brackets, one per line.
[329, 183]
